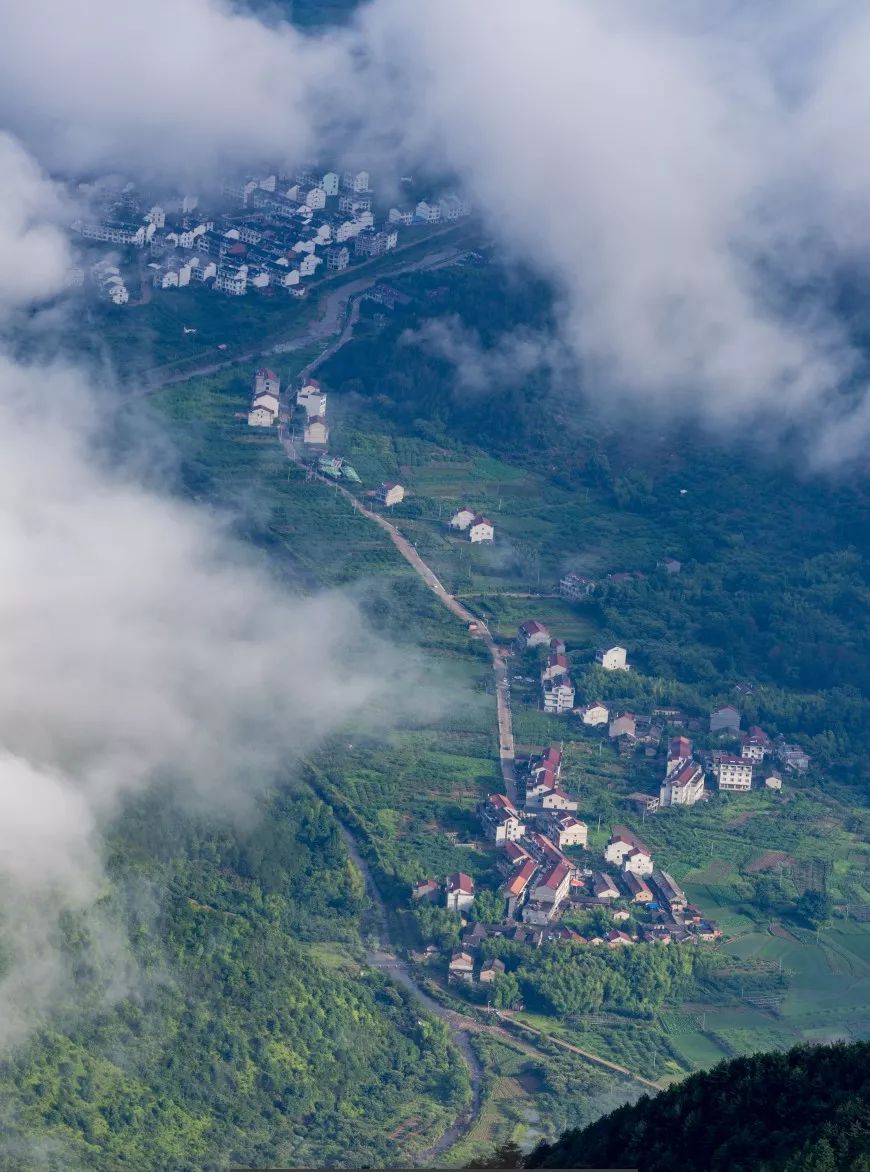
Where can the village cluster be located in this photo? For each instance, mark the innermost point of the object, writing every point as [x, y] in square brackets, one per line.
[743, 760]
[261, 234]
[541, 882]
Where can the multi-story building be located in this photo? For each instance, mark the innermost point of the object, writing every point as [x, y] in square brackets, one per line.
[481, 529]
[684, 786]
[612, 659]
[733, 774]
[501, 820]
[566, 830]
[558, 694]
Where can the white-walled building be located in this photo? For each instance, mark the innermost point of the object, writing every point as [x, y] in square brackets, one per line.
[566, 830]
[260, 416]
[627, 851]
[612, 659]
[315, 198]
[427, 213]
[684, 786]
[312, 398]
[481, 529]
[558, 695]
[397, 216]
[389, 494]
[596, 713]
[733, 774]
[316, 432]
[532, 634]
[232, 281]
[329, 183]
[266, 382]
[502, 822]
[459, 891]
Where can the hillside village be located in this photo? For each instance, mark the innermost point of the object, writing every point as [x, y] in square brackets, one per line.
[262, 234]
[551, 882]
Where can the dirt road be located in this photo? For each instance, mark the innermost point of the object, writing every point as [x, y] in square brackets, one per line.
[384, 957]
[477, 627]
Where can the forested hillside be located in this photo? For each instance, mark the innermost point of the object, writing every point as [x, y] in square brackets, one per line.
[247, 1031]
[804, 1111]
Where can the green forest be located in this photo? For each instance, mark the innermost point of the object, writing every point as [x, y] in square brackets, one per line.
[804, 1111]
[250, 1032]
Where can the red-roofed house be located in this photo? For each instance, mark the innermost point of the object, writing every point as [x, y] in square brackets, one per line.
[532, 634]
[501, 819]
[481, 529]
[460, 891]
[425, 890]
[556, 665]
[684, 786]
[566, 830]
[554, 885]
[517, 882]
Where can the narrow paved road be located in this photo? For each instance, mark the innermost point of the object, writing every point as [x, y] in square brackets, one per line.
[385, 958]
[577, 1050]
[507, 756]
[328, 323]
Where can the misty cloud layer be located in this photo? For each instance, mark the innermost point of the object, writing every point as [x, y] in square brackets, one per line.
[689, 178]
[137, 643]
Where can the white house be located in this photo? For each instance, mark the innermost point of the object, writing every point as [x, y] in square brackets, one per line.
[312, 398]
[554, 885]
[734, 774]
[315, 198]
[684, 786]
[612, 659]
[337, 259]
[452, 207]
[555, 799]
[397, 216]
[459, 891]
[260, 416]
[481, 529]
[308, 265]
[232, 281]
[358, 181]
[558, 695]
[462, 519]
[266, 382]
[566, 830]
[502, 821]
[556, 665]
[532, 634]
[316, 432]
[625, 847]
[329, 183]
[638, 862]
[389, 494]
[426, 213]
[596, 713]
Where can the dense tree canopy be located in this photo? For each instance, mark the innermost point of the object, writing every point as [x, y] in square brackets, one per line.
[807, 1110]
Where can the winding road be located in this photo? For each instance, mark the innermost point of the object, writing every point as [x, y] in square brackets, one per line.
[386, 958]
[477, 627]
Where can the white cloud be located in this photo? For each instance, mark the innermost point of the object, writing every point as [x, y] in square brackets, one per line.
[138, 643]
[170, 88]
[34, 247]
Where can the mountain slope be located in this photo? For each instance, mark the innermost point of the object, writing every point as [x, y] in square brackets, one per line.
[807, 1110]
